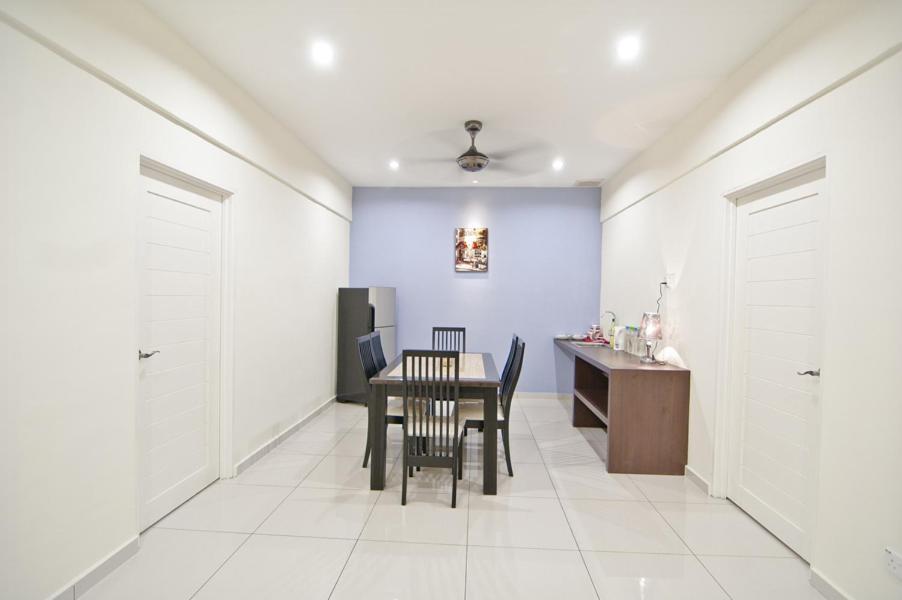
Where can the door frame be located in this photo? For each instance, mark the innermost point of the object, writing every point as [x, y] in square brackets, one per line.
[159, 171]
[725, 404]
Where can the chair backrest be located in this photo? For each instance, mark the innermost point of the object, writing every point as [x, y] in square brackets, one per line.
[449, 338]
[365, 349]
[509, 385]
[430, 389]
[510, 357]
[378, 354]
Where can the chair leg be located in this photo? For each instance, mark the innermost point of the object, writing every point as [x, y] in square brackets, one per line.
[366, 454]
[454, 482]
[460, 459]
[404, 479]
[408, 449]
[421, 444]
[505, 437]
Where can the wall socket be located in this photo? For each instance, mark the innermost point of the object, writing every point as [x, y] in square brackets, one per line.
[894, 562]
[670, 279]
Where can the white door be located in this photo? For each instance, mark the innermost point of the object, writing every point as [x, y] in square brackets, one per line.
[777, 335]
[179, 312]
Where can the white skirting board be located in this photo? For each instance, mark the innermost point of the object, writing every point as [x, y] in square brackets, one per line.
[826, 587]
[697, 479]
[100, 570]
[265, 448]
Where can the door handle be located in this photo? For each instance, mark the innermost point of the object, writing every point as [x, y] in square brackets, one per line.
[815, 373]
[146, 354]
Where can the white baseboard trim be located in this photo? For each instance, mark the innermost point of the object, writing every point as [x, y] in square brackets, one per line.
[694, 477]
[827, 588]
[264, 449]
[101, 569]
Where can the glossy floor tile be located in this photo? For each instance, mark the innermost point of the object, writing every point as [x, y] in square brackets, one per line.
[529, 480]
[399, 571]
[427, 518]
[651, 577]
[747, 578]
[279, 567]
[278, 468]
[170, 564]
[339, 472]
[720, 529]
[519, 522]
[322, 512]
[621, 526]
[227, 507]
[526, 574]
[303, 523]
[590, 481]
[672, 488]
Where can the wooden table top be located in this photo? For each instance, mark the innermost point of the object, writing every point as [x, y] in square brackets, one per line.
[606, 359]
[477, 369]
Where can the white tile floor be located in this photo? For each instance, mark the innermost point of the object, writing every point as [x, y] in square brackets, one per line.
[302, 523]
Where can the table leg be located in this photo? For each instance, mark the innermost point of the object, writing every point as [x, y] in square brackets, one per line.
[490, 441]
[376, 410]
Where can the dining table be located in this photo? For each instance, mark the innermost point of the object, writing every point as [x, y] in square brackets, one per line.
[478, 380]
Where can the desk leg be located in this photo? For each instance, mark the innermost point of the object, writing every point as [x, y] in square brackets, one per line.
[376, 410]
[490, 442]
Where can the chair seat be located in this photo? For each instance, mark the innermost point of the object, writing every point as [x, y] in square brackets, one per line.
[443, 416]
[472, 411]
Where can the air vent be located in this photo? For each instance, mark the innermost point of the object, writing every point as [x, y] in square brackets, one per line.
[589, 183]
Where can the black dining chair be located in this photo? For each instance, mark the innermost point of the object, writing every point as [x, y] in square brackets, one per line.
[394, 414]
[510, 356]
[378, 354]
[473, 413]
[449, 338]
[432, 424]
[507, 365]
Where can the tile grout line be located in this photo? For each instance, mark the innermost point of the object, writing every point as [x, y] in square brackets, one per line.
[362, 528]
[561, 505]
[250, 535]
[685, 543]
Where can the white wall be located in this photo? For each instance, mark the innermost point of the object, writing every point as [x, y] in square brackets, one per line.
[799, 87]
[132, 46]
[69, 170]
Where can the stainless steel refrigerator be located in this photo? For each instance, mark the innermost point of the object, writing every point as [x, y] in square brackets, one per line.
[361, 311]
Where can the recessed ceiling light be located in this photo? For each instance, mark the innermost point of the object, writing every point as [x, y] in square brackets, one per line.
[322, 54]
[628, 47]
[475, 181]
[394, 165]
[557, 164]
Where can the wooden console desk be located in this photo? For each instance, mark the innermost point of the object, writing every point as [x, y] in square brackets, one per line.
[645, 408]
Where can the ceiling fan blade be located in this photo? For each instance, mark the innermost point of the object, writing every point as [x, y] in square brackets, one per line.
[525, 150]
[507, 167]
[427, 161]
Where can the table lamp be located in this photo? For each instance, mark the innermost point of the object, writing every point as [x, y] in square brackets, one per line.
[649, 331]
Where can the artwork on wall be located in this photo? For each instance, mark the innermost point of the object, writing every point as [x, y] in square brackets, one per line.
[471, 250]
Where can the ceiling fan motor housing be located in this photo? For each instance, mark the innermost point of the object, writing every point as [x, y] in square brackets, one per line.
[473, 160]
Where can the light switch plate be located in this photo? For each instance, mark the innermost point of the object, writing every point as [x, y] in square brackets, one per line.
[894, 562]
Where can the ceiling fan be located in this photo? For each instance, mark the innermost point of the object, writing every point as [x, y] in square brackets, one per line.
[473, 160]
[526, 158]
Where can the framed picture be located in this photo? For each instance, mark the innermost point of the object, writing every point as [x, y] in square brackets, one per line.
[471, 250]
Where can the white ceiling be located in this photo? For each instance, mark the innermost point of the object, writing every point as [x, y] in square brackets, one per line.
[540, 74]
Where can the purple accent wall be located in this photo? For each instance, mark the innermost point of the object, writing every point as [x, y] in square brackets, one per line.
[543, 278]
